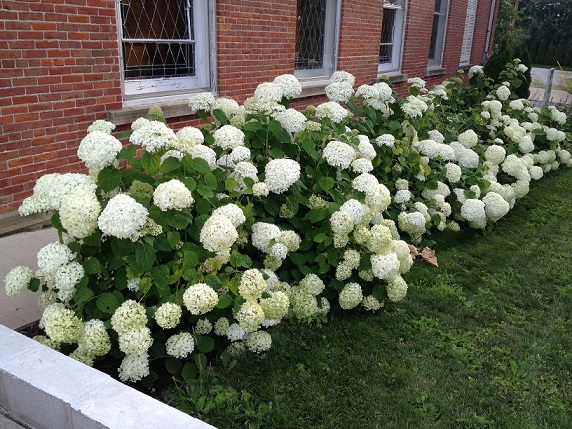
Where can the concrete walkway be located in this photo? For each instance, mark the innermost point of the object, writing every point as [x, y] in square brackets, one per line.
[557, 94]
[21, 249]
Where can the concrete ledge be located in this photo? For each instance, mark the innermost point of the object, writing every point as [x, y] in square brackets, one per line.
[45, 389]
[12, 222]
[435, 71]
[128, 115]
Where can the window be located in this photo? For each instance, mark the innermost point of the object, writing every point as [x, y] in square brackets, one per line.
[468, 34]
[164, 47]
[316, 38]
[438, 33]
[390, 47]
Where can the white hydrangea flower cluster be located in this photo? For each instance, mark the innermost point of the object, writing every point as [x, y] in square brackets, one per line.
[413, 224]
[258, 342]
[340, 87]
[468, 139]
[557, 116]
[385, 140]
[495, 206]
[172, 195]
[228, 137]
[53, 256]
[203, 326]
[339, 154]
[475, 70]
[233, 212]
[135, 341]
[289, 85]
[433, 150]
[95, 340]
[129, 315]
[414, 107]
[204, 101]
[333, 111]
[250, 316]
[280, 174]
[416, 82]
[17, 279]
[378, 96]
[204, 152]
[235, 333]
[292, 120]
[516, 105]
[200, 298]
[218, 234]
[350, 296]
[168, 315]
[503, 93]
[187, 137]
[466, 158]
[304, 301]
[180, 345]
[79, 213]
[61, 324]
[98, 150]
[252, 285]
[51, 190]
[102, 126]
[365, 182]
[123, 217]
[134, 367]
[266, 95]
[66, 278]
[243, 170]
[153, 136]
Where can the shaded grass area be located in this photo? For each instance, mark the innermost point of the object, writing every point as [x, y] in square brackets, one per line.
[484, 341]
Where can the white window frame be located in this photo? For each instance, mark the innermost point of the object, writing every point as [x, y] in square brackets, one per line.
[331, 41]
[470, 20]
[398, 36]
[166, 89]
[443, 13]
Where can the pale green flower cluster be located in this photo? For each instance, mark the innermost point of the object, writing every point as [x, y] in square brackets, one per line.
[168, 315]
[200, 298]
[180, 345]
[17, 279]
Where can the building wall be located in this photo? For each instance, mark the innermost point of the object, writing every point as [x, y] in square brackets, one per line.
[60, 68]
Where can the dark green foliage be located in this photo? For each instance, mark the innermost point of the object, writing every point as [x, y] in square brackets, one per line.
[541, 53]
[497, 62]
[522, 52]
[568, 57]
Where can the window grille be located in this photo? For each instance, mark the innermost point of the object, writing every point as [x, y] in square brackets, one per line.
[316, 32]
[158, 38]
[390, 48]
[387, 35]
[310, 29]
[438, 33]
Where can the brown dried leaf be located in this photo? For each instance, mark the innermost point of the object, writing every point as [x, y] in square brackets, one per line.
[428, 256]
[413, 251]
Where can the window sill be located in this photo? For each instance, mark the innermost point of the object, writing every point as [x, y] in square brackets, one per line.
[465, 67]
[392, 77]
[128, 115]
[435, 71]
[313, 87]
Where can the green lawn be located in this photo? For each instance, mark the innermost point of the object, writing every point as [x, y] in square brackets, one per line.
[483, 341]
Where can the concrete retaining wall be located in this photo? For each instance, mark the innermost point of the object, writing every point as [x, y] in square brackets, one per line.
[48, 390]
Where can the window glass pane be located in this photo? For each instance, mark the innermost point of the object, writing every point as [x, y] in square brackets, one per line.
[310, 30]
[437, 6]
[434, 34]
[157, 39]
[387, 31]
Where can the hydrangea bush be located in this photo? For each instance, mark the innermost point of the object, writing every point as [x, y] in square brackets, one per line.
[215, 234]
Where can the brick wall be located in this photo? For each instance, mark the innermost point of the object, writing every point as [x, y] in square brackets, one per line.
[255, 43]
[360, 34]
[59, 73]
[60, 68]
